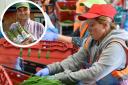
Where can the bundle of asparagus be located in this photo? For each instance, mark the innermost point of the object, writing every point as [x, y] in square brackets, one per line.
[20, 35]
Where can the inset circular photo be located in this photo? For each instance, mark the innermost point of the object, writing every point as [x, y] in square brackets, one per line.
[23, 23]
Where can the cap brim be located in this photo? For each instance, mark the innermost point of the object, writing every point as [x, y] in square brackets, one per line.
[88, 16]
[22, 6]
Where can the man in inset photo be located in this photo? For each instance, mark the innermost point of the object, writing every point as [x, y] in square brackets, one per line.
[24, 31]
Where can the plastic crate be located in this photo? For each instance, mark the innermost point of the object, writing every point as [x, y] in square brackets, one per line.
[31, 67]
[10, 76]
[49, 51]
[67, 14]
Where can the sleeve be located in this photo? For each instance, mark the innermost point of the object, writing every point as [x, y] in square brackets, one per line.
[77, 41]
[110, 59]
[40, 29]
[73, 62]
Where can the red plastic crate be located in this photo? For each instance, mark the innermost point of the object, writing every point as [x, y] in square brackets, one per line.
[11, 77]
[67, 14]
[57, 51]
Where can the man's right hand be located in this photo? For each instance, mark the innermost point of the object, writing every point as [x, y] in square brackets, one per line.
[43, 72]
[27, 41]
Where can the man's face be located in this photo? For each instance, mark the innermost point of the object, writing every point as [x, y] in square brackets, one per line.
[23, 13]
[96, 29]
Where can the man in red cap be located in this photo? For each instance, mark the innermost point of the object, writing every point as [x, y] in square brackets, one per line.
[101, 55]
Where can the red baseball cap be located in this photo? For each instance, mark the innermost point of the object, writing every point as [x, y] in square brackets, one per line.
[99, 10]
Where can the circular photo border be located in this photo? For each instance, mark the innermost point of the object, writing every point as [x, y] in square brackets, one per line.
[1, 18]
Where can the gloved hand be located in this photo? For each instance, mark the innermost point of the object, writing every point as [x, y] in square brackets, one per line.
[19, 64]
[43, 72]
[50, 36]
[54, 30]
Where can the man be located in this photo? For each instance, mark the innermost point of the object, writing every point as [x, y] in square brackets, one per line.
[100, 57]
[23, 20]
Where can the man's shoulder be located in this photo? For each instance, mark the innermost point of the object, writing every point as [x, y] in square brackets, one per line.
[36, 23]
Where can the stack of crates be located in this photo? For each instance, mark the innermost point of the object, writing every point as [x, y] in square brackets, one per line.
[45, 52]
[65, 12]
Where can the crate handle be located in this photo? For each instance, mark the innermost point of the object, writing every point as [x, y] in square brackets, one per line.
[29, 52]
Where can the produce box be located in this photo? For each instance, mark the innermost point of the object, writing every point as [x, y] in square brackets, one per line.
[10, 76]
[65, 10]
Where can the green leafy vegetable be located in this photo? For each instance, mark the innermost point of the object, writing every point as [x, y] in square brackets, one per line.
[41, 81]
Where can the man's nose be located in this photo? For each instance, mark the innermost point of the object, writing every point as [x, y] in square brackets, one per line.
[22, 12]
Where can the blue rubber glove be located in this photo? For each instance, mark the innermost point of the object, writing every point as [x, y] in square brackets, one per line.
[43, 72]
[54, 30]
[50, 36]
[19, 64]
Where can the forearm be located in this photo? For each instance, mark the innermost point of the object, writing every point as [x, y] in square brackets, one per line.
[65, 38]
[73, 63]
[87, 75]
[75, 40]
[55, 68]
